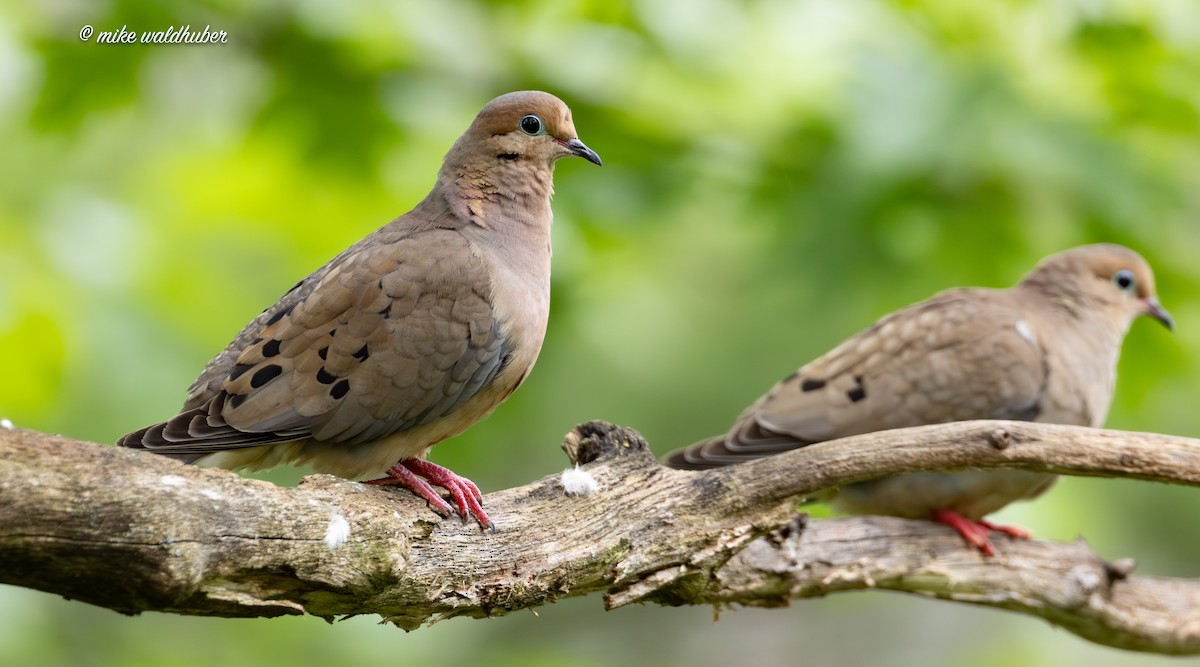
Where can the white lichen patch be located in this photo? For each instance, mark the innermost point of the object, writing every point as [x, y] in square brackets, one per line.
[338, 532]
[172, 480]
[210, 494]
[858, 571]
[578, 482]
[6, 424]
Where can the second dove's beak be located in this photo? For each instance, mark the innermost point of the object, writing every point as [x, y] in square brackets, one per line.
[1154, 309]
[577, 147]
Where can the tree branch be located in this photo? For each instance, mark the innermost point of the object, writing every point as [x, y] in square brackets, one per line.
[136, 532]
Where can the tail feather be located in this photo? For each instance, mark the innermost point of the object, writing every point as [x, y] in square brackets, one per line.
[738, 446]
[195, 433]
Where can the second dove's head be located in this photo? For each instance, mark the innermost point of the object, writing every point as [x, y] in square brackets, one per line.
[1107, 278]
[525, 127]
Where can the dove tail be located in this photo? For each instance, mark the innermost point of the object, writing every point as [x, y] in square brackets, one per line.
[195, 433]
[138, 440]
[703, 455]
[745, 442]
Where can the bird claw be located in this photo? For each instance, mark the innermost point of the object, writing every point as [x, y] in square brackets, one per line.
[463, 492]
[1015, 532]
[976, 532]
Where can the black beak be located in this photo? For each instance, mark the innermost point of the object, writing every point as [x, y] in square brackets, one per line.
[1154, 309]
[577, 147]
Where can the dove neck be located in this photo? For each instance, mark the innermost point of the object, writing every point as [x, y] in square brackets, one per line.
[1086, 351]
[504, 197]
[511, 223]
[1086, 336]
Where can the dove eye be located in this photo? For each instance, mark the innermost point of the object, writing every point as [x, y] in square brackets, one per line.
[1123, 279]
[532, 125]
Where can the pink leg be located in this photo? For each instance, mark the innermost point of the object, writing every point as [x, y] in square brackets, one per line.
[975, 534]
[462, 490]
[1015, 532]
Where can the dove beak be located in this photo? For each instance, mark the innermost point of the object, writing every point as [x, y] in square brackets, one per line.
[577, 147]
[1154, 309]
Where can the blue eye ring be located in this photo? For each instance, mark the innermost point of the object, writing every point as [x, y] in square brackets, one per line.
[532, 125]
[1124, 280]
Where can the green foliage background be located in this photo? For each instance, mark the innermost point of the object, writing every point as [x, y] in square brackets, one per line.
[777, 175]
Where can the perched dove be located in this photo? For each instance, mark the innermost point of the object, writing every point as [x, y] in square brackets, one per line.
[407, 338]
[1045, 350]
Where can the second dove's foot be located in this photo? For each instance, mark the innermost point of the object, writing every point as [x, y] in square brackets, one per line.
[1015, 532]
[976, 532]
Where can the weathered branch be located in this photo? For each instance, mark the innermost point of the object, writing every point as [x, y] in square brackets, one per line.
[135, 532]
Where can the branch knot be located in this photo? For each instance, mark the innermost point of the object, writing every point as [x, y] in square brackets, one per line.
[598, 440]
[1000, 438]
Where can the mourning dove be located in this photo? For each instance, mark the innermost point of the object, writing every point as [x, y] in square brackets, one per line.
[1045, 350]
[405, 339]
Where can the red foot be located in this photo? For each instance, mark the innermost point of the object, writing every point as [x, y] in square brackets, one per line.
[976, 532]
[1015, 532]
[463, 491]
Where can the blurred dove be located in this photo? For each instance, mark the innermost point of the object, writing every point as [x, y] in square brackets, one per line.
[1045, 350]
[405, 339]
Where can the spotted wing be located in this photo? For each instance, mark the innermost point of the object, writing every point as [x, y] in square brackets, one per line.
[387, 336]
[965, 354]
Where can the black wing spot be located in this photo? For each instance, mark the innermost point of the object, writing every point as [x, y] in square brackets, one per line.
[340, 389]
[271, 348]
[265, 375]
[362, 353]
[236, 400]
[508, 156]
[325, 377]
[279, 314]
[811, 385]
[323, 353]
[239, 370]
[858, 393]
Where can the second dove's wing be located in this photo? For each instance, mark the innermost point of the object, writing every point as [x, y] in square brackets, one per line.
[964, 354]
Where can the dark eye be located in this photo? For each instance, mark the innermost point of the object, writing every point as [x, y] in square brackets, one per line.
[1123, 279]
[531, 124]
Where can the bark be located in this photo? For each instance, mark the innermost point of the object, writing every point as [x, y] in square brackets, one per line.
[135, 532]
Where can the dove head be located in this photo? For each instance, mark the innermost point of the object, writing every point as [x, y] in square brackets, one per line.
[521, 129]
[502, 167]
[1110, 279]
